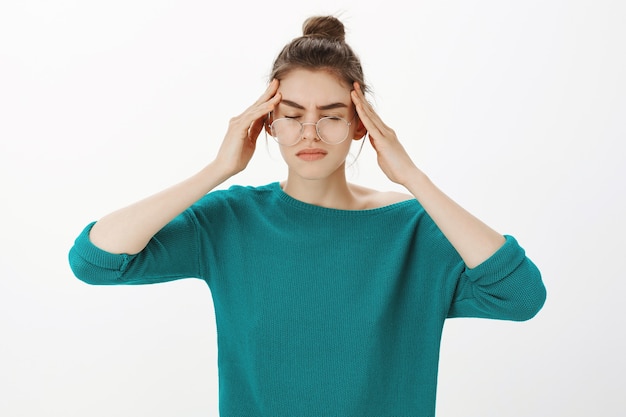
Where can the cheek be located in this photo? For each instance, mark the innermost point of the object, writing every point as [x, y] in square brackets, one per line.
[283, 152]
[343, 149]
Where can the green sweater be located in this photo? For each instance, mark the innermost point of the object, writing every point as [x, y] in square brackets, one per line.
[323, 312]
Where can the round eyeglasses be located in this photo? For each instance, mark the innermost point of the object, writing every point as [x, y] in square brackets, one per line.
[332, 130]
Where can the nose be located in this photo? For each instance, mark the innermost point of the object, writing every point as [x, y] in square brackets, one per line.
[309, 131]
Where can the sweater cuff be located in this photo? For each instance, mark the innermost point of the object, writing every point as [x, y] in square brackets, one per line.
[504, 261]
[92, 254]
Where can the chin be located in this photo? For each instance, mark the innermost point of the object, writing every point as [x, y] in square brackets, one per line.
[317, 173]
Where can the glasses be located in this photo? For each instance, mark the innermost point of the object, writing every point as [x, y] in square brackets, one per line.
[332, 130]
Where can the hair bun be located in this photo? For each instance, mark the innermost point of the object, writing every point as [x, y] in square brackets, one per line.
[324, 27]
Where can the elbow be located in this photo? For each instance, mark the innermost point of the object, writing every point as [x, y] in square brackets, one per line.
[87, 272]
[530, 293]
[520, 302]
[529, 306]
[93, 265]
[528, 301]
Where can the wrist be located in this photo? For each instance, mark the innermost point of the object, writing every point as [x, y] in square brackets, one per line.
[413, 177]
[216, 173]
[415, 181]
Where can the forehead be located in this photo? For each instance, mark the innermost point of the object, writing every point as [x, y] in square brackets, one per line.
[314, 89]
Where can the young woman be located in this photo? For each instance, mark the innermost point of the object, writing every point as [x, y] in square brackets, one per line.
[330, 298]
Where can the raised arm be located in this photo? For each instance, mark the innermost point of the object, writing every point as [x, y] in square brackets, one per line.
[128, 230]
[472, 239]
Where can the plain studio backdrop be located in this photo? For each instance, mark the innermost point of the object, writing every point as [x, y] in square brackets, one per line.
[515, 109]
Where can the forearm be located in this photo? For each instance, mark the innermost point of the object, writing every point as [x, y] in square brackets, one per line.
[129, 229]
[472, 239]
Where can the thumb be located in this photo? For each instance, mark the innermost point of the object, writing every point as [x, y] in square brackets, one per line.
[255, 129]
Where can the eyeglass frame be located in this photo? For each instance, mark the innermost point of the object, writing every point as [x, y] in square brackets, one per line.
[302, 124]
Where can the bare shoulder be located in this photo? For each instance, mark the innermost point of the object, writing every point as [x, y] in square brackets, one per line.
[369, 198]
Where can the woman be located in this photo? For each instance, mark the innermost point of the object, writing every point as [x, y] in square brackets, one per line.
[330, 298]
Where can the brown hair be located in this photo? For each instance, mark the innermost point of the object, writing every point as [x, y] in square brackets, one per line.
[322, 46]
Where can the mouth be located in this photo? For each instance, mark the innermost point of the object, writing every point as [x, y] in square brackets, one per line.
[311, 154]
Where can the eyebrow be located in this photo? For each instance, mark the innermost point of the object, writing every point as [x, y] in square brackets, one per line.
[324, 107]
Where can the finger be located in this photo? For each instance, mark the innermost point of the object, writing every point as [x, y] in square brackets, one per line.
[268, 97]
[366, 108]
[270, 92]
[262, 109]
[370, 118]
[255, 129]
[367, 115]
[259, 110]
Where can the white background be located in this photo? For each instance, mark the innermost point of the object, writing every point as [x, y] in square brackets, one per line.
[516, 109]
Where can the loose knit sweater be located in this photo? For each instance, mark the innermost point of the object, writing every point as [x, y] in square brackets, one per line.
[319, 311]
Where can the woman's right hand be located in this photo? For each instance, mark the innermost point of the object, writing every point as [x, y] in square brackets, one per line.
[240, 141]
[129, 229]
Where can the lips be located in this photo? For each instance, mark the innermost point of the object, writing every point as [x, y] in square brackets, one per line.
[311, 154]
[311, 151]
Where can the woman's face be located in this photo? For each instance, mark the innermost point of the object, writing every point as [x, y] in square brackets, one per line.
[308, 96]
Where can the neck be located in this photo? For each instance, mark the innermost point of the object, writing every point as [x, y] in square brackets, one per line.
[330, 192]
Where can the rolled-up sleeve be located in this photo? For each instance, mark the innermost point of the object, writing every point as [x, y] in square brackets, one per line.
[173, 253]
[506, 286]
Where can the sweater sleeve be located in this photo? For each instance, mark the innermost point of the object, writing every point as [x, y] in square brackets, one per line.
[172, 253]
[506, 286]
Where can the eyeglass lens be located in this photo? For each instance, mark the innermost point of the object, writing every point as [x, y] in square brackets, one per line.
[332, 130]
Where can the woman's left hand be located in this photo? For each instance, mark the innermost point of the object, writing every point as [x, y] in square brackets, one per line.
[392, 157]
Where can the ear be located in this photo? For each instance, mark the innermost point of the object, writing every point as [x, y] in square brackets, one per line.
[360, 131]
[267, 121]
